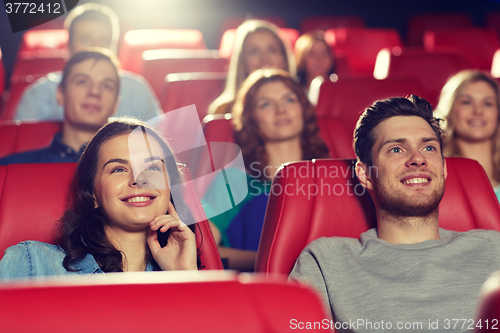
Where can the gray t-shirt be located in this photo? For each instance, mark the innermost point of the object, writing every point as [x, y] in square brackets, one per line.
[371, 285]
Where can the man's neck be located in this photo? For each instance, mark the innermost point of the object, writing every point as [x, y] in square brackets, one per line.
[407, 230]
[75, 137]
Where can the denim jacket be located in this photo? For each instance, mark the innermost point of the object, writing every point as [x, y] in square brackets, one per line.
[33, 259]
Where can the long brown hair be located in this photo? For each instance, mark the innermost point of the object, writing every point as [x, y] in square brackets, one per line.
[237, 72]
[246, 130]
[449, 94]
[302, 49]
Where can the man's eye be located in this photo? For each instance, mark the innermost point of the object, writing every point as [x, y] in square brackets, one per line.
[395, 150]
[430, 148]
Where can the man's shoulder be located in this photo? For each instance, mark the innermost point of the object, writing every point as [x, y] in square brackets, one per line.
[47, 82]
[329, 243]
[130, 79]
[493, 235]
[33, 156]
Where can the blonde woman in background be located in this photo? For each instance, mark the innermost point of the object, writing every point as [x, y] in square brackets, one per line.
[470, 104]
[256, 45]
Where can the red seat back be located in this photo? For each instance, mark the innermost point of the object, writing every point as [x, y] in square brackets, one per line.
[432, 70]
[330, 21]
[34, 201]
[159, 63]
[135, 42]
[475, 44]
[176, 301]
[347, 98]
[333, 203]
[200, 89]
[360, 46]
[419, 23]
[19, 137]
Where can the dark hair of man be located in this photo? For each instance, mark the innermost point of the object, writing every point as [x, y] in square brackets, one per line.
[94, 12]
[95, 53]
[413, 105]
[82, 225]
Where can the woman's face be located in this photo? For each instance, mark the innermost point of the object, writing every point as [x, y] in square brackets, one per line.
[319, 61]
[131, 185]
[278, 112]
[475, 112]
[261, 49]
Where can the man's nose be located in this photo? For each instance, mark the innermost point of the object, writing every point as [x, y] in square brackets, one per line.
[416, 159]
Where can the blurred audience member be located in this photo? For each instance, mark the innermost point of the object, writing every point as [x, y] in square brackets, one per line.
[88, 93]
[256, 45]
[89, 25]
[470, 104]
[314, 57]
[274, 123]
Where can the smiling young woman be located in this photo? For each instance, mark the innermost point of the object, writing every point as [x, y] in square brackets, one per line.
[122, 213]
[274, 123]
[470, 105]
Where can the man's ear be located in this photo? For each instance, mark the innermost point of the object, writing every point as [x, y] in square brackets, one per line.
[364, 175]
[60, 95]
[445, 168]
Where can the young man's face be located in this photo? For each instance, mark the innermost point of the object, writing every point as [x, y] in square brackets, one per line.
[90, 96]
[408, 173]
[90, 33]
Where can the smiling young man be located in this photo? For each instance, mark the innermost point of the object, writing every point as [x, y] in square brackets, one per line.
[406, 274]
[89, 95]
[89, 25]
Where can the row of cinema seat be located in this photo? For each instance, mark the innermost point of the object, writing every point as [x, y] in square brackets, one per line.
[33, 196]
[360, 52]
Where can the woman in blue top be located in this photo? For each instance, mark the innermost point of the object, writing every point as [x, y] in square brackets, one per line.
[274, 123]
[122, 213]
[470, 105]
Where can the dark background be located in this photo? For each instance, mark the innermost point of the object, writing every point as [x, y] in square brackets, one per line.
[207, 15]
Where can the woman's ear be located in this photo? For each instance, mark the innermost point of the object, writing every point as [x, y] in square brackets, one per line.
[364, 175]
[96, 205]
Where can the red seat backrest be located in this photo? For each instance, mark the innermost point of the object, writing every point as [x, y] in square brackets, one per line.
[432, 70]
[227, 40]
[347, 98]
[419, 23]
[176, 301]
[360, 46]
[3, 171]
[326, 22]
[43, 39]
[32, 202]
[24, 136]
[333, 203]
[200, 89]
[477, 45]
[159, 63]
[135, 42]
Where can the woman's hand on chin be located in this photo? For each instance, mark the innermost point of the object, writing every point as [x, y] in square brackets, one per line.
[180, 251]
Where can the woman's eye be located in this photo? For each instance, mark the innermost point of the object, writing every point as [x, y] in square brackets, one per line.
[291, 100]
[118, 169]
[465, 102]
[153, 167]
[264, 105]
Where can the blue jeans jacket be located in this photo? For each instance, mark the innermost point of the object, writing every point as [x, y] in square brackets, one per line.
[33, 259]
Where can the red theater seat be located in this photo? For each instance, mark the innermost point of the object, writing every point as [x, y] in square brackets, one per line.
[327, 22]
[227, 40]
[200, 89]
[342, 208]
[493, 22]
[23, 136]
[219, 128]
[475, 44]
[159, 63]
[35, 196]
[432, 70]
[161, 301]
[360, 46]
[347, 98]
[44, 39]
[419, 23]
[3, 171]
[488, 318]
[135, 42]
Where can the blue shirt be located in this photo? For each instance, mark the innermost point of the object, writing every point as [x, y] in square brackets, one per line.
[57, 152]
[33, 259]
[39, 99]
